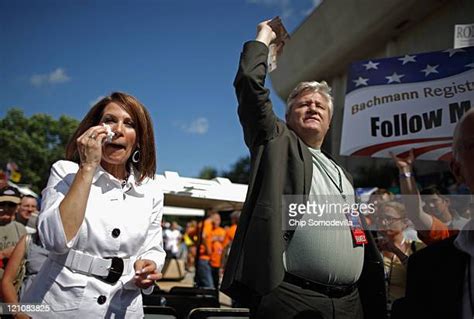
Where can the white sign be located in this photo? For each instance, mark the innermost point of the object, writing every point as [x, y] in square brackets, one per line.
[463, 35]
[400, 103]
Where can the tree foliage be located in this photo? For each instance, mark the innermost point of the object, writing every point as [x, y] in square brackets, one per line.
[34, 144]
[238, 173]
[208, 172]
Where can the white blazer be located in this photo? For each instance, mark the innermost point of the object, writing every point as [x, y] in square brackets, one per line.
[119, 222]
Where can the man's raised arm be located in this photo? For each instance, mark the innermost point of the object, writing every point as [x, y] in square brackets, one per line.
[255, 108]
[415, 213]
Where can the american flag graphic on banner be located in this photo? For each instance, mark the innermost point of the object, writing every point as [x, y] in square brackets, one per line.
[407, 102]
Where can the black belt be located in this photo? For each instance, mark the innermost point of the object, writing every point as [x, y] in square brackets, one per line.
[115, 271]
[330, 291]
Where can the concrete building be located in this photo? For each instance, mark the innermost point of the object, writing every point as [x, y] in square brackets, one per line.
[339, 32]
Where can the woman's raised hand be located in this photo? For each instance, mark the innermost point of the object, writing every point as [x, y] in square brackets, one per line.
[89, 145]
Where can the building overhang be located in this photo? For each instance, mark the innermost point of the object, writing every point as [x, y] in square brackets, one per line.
[218, 194]
[339, 32]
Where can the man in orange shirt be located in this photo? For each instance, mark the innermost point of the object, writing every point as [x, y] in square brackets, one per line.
[230, 234]
[203, 271]
[217, 247]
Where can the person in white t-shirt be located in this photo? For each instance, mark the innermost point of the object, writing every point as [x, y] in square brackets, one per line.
[172, 238]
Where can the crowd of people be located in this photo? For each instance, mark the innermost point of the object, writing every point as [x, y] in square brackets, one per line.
[23, 253]
[410, 220]
[206, 242]
[100, 241]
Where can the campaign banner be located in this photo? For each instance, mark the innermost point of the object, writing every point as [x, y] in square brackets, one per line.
[407, 102]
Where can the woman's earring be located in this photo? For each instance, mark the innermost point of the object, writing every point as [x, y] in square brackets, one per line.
[136, 156]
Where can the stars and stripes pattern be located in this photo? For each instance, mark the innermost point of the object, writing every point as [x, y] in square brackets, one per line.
[410, 68]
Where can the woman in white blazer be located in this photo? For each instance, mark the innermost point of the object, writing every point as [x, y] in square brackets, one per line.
[101, 218]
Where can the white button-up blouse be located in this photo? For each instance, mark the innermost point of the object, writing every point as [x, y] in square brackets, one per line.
[119, 222]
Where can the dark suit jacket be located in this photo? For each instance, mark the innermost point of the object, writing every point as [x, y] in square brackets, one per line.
[280, 165]
[435, 281]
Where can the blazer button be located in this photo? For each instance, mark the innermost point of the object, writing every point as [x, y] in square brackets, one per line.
[101, 300]
[115, 232]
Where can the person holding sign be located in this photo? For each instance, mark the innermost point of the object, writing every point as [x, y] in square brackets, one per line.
[310, 273]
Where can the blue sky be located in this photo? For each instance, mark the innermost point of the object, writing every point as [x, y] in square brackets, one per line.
[178, 58]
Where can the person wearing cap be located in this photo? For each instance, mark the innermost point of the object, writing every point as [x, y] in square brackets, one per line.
[101, 217]
[10, 230]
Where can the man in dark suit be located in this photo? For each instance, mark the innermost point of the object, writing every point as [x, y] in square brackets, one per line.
[303, 273]
[440, 278]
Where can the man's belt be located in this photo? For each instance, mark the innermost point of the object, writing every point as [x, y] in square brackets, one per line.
[108, 269]
[330, 291]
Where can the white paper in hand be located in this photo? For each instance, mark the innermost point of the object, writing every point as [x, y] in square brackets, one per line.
[275, 48]
[110, 134]
[272, 57]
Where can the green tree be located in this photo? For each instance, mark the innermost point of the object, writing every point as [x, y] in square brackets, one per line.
[208, 172]
[240, 171]
[34, 144]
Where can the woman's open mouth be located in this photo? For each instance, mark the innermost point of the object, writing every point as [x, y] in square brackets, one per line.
[115, 146]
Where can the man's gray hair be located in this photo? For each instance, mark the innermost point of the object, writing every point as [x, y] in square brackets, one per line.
[312, 86]
[458, 145]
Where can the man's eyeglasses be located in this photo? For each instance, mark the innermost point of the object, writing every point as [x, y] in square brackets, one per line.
[386, 220]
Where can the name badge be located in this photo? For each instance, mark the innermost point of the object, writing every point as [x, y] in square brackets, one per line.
[358, 234]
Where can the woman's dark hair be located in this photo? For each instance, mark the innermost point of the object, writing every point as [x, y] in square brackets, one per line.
[144, 130]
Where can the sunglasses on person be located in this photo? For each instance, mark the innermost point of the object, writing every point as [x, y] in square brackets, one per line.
[8, 205]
